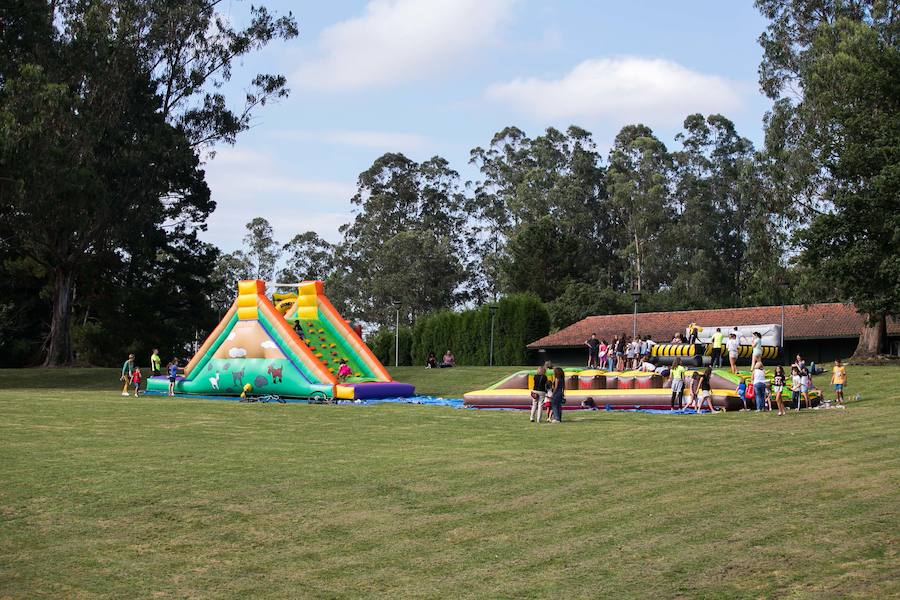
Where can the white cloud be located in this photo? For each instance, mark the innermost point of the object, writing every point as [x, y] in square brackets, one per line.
[231, 336]
[401, 40]
[247, 184]
[237, 352]
[269, 344]
[360, 138]
[626, 88]
[235, 171]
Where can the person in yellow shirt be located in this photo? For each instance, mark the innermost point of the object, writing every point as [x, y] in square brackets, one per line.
[838, 380]
[717, 348]
[677, 376]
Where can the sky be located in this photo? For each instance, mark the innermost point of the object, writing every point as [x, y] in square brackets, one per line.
[440, 77]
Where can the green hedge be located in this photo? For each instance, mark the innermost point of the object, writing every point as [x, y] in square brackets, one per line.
[383, 342]
[520, 319]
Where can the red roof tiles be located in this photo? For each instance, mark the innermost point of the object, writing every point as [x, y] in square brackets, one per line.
[815, 321]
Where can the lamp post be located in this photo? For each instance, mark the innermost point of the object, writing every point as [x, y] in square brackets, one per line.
[492, 308]
[782, 288]
[396, 304]
[635, 295]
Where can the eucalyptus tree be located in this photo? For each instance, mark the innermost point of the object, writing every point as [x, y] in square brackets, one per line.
[638, 179]
[407, 241]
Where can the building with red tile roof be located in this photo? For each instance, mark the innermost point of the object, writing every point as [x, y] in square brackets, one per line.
[820, 332]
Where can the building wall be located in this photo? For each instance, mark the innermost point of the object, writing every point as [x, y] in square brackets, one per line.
[821, 351]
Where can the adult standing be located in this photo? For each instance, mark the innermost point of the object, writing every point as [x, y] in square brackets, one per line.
[611, 354]
[733, 347]
[127, 372]
[694, 333]
[538, 393]
[757, 348]
[717, 348]
[557, 395]
[620, 353]
[759, 384]
[155, 363]
[677, 375]
[593, 345]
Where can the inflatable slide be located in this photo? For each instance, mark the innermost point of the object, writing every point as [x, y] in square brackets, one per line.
[615, 389]
[256, 344]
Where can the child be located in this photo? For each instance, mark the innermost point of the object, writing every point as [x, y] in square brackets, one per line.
[629, 355]
[136, 381]
[795, 386]
[344, 370]
[838, 380]
[705, 390]
[742, 392]
[601, 354]
[805, 383]
[750, 395]
[777, 388]
[172, 368]
[695, 391]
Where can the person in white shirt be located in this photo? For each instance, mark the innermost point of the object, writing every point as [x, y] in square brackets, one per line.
[733, 345]
[759, 384]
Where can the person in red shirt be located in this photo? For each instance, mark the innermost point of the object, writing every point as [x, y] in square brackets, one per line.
[136, 381]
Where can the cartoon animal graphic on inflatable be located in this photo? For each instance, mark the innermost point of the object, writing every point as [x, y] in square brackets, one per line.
[275, 373]
[237, 377]
[214, 381]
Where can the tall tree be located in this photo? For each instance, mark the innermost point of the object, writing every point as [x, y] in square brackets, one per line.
[104, 105]
[833, 69]
[260, 249]
[719, 215]
[308, 257]
[638, 180]
[551, 189]
[406, 242]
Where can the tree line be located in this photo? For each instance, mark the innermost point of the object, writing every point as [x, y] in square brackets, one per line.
[106, 106]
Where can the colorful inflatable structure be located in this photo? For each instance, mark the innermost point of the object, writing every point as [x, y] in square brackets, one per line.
[700, 353]
[257, 344]
[615, 389]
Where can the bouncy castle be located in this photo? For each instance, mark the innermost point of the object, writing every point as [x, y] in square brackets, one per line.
[293, 351]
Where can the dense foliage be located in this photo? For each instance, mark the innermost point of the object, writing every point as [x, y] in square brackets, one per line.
[106, 106]
[518, 320]
[838, 143]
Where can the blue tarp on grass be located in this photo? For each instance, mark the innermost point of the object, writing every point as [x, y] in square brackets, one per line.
[426, 400]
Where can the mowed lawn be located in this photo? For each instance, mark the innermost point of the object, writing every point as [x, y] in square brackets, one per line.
[105, 496]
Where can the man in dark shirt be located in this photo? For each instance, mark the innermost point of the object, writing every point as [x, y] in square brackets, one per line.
[593, 345]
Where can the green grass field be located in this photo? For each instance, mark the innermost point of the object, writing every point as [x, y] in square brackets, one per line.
[105, 496]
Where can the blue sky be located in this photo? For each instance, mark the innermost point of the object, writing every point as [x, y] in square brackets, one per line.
[427, 77]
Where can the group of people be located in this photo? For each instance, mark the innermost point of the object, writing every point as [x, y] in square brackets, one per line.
[547, 394]
[759, 390]
[132, 378]
[621, 354]
[447, 361]
[625, 353]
